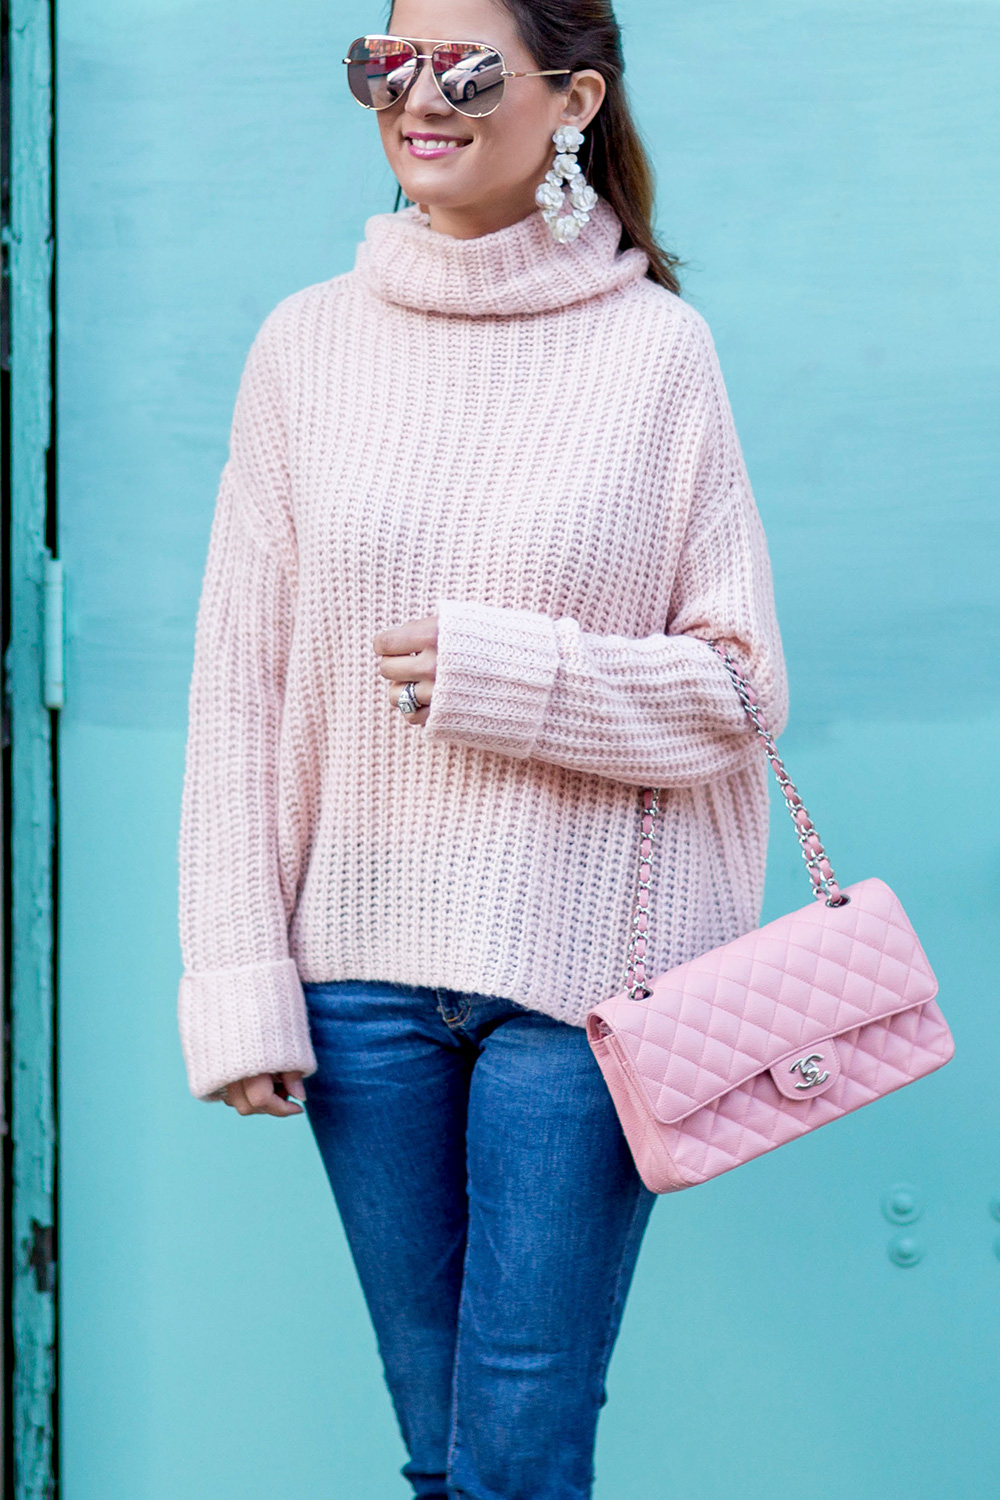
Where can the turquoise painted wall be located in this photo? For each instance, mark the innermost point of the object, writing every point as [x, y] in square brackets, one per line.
[830, 174]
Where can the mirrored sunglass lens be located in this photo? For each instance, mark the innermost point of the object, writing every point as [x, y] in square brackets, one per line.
[380, 70]
[471, 78]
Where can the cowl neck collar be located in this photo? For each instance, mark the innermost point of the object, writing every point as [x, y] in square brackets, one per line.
[511, 272]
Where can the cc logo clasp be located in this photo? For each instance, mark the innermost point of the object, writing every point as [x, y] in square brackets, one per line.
[809, 1068]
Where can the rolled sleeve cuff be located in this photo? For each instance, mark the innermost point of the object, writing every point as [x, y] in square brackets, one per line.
[495, 671]
[235, 1023]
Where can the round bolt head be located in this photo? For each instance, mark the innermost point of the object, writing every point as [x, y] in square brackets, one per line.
[902, 1204]
[905, 1251]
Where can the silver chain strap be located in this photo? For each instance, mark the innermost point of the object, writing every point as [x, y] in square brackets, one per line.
[635, 958]
[824, 883]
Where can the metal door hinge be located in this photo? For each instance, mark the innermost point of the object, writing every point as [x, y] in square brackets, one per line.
[54, 691]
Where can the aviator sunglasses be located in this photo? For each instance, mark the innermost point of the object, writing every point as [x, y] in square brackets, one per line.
[471, 76]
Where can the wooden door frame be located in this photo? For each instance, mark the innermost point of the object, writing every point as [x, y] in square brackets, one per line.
[30, 762]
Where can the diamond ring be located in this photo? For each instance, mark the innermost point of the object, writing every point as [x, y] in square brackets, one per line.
[407, 702]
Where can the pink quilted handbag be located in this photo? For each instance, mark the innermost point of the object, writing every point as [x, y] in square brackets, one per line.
[773, 1034]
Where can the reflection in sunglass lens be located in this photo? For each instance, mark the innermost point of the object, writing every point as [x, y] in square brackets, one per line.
[470, 77]
[380, 70]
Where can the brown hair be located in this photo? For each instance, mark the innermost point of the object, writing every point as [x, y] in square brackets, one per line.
[585, 34]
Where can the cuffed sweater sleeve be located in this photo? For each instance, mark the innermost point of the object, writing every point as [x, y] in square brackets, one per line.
[241, 1007]
[660, 710]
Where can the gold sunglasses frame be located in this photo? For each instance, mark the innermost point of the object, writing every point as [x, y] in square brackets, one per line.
[505, 72]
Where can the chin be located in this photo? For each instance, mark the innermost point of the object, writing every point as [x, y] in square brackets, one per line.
[441, 182]
[435, 193]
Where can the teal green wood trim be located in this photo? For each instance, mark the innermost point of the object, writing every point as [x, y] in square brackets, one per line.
[54, 694]
[32, 997]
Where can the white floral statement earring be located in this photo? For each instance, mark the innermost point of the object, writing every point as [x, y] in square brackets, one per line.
[565, 172]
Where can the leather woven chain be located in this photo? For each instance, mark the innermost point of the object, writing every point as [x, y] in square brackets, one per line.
[824, 883]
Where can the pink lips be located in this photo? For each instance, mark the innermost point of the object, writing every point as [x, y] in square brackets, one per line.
[415, 145]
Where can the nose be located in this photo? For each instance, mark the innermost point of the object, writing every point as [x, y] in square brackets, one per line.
[423, 97]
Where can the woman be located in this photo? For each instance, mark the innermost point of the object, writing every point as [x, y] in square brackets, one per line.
[483, 506]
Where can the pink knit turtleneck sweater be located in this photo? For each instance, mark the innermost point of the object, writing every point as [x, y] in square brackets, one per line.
[533, 441]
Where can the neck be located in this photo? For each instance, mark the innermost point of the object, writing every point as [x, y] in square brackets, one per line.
[469, 221]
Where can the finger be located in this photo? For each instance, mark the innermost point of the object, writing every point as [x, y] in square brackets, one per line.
[423, 691]
[294, 1085]
[420, 717]
[415, 635]
[236, 1095]
[281, 1108]
[409, 668]
[280, 1090]
[265, 1099]
[259, 1089]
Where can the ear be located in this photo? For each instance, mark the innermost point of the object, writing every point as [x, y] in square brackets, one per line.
[583, 98]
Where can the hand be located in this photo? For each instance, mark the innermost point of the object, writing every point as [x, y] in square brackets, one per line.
[408, 653]
[266, 1094]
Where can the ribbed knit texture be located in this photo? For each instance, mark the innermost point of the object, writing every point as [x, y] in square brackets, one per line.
[534, 441]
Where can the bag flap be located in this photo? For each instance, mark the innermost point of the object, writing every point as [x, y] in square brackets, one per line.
[714, 1023]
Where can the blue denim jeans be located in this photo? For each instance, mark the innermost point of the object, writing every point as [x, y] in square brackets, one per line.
[494, 1215]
